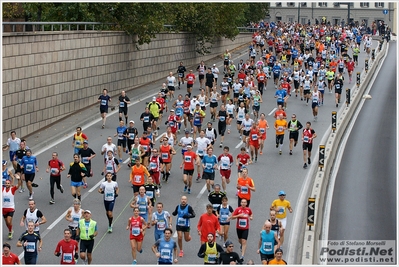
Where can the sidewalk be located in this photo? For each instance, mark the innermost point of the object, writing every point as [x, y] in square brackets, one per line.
[66, 127]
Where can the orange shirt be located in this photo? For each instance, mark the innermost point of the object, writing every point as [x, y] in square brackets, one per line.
[281, 125]
[262, 124]
[165, 153]
[333, 65]
[189, 160]
[261, 77]
[245, 192]
[137, 175]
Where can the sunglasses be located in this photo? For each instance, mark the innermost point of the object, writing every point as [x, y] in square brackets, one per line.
[231, 246]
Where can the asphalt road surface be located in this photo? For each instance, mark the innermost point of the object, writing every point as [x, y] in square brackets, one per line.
[272, 173]
[365, 194]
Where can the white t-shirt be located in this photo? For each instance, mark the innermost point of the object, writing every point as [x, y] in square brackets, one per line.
[171, 80]
[109, 190]
[186, 141]
[111, 147]
[202, 144]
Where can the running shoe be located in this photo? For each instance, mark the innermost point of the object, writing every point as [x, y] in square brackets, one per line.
[290, 152]
[305, 165]
[181, 254]
[308, 160]
[189, 191]
[21, 190]
[61, 189]
[10, 234]
[31, 196]
[280, 152]
[52, 201]
[134, 262]
[109, 229]
[185, 188]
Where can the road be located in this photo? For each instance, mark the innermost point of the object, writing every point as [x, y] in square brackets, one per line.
[272, 173]
[365, 187]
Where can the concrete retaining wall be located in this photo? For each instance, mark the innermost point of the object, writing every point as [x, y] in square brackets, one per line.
[48, 75]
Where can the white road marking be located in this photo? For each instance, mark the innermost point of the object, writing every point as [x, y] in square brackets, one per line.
[202, 191]
[51, 226]
[239, 144]
[271, 112]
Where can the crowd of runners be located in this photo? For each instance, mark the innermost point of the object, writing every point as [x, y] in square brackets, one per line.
[302, 63]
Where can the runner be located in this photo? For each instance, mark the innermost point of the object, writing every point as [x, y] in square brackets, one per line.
[78, 138]
[167, 151]
[202, 143]
[111, 165]
[263, 127]
[229, 256]
[321, 86]
[224, 90]
[316, 97]
[293, 127]
[184, 141]
[161, 219]
[201, 73]
[7, 175]
[226, 57]
[226, 161]
[147, 118]
[330, 79]
[137, 176]
[130, 132]
[254, 141]
[190, 78]
[198, 116]
[236, 91]
[110, 190]
[189, 161]
[8, 257]
[277, 227]
[210, 250]
[307, 84]
[143, 203]
[222, 117]
[181, 69]
[209, 82]
[8, 194]
[120, 132]
[55, 167]
[73, 216]
[104, 99]
[19, 174]
[267, 243]
[137, 226]
[32, 244]
[171, 81]
[338, 84]
[307, 138]
[87, 231]
[245, 185]
[230, 107]
[280, 125]
[208, 224]
[280, 205]
[184, 213]
[172, 123]
[13, 143]
[155, 108]
[123, 102]
[224, 212]
[87, 154]
[67, 248]
[215, 72]
[350, 65]
[214, 99]
[246, 125]
[163, 248]
[242, 160]
[209, 164]
[281, 96]
[77, 172]
[278, 258]
[145, 142]
[136, 152]
[256, 100]
[29, 166]
[211, 133]
[240, 116]
[152, 191]
[109, 146]
[243, 214]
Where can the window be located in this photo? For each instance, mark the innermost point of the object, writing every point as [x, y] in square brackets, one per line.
[279, 18]
[291, 4]
[323, 4]
[379, 4]
[304, 4]
[291, 19]
[364, 4]
[278, 4]
[304, 21]
[336, 4]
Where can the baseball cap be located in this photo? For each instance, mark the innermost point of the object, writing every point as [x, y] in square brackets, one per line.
[228, 243]
[87, 211]
[4, 162]
[172, 110]
[281, 193]
[131, 121]
[214, 65]
[189, 146]
[154, 98]
[85, 142]
[186, 131]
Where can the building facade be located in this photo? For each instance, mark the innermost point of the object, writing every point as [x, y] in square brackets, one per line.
[334, 12]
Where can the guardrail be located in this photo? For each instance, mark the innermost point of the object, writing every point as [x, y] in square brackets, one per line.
[80, 26]
[311, 236]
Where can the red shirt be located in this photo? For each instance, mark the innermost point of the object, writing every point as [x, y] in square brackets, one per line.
[136, 224]
[350, 65]
[161, 102]
[172, 119]
[68, 250]
[280, 112]
[225, 161]
[165, 153]
[241, 77]
[10, 260]
[242, 222]
[308, 135]
[189, 160]
[190, 78]
[243, 158]
[145, 143]
[154, 163]
[55, 164]
[208, 224]
[254, 136]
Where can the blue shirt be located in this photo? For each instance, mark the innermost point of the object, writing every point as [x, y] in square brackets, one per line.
[281, 93]
[120, 130]
[104, 100]
[29, 164]
[209, 162]
[276, 69]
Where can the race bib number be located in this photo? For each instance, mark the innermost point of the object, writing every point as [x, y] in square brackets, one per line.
[67, 257]
[165, 253]
[153, 165]
[244, 190]
[122, 104]
[242, 223]
[306, 139]
[85, 160]
[142, 209]
[181, 222]
[267, 246]
[137, 178]
[262, 130]
[29, 167]
[254, 137]
[211, 258]
[187, 159]
[149, 193]
[165, 155]
[54, 170]
[103, 102]
[30, 247]
[135, 231]
[161, 225]
[77, 143]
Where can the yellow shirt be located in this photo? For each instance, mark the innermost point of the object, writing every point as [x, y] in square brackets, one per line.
[276, 262]
[282, 207]
[281, 125]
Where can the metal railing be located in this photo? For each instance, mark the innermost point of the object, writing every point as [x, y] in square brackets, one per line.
[58, 26]
[80, 26]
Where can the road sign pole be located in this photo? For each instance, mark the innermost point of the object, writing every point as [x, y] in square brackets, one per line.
[366, 65]
[373, 54]
[322, 149]
[358, 79]
[334, 121]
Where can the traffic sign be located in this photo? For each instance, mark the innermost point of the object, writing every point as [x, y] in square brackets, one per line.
[311, 209]
[322, 149]
[334, 121]
[385, 11]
